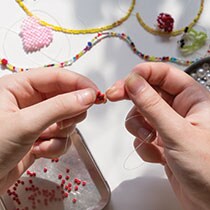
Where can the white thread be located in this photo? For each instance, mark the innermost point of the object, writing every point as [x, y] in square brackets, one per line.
[146, 140]
[124, 10]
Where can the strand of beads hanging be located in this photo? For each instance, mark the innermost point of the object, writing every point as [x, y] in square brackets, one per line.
[78, 31]
[161, 32]
[165, 22]
[96, 40]
[191, 41]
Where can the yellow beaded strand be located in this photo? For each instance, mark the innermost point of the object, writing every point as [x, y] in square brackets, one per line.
[78, 31]
[173, 33]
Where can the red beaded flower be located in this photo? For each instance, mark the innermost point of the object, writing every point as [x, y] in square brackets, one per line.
[165, 22]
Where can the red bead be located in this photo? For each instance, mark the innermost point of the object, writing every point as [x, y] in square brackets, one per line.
[74, 200]
[45, 170]
[77, 181]
[84, 183]
[65, 195]
[4, 61]
[100, 98]
[28, 172]
[69, 184]
[69, 189]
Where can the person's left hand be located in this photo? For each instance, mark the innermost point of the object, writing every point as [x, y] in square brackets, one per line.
[38, 111]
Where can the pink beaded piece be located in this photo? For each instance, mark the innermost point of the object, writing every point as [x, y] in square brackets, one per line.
[34, 36]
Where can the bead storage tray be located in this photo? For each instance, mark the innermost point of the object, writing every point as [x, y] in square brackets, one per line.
[200, 71]
[72, 182]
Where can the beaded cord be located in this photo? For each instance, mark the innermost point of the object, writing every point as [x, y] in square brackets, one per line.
[96, 40]
[174, 32]
[191, 41]
[78, 31]
[165, 22]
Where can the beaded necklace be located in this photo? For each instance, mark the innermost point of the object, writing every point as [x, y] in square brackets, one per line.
[78, 31]
[97, 39]
[172, 33]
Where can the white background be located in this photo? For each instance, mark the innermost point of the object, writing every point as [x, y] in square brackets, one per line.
[143, 188]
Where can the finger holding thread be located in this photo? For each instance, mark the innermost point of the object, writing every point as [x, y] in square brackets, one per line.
[139, 127]
[139, 145]
[149, 152]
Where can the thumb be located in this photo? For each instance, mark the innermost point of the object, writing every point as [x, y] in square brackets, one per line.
[161, 116]
[38, 117]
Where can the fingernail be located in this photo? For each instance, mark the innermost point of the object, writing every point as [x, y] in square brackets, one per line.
[60, 125]
[86, 96]
[112, 91]
[135, 83]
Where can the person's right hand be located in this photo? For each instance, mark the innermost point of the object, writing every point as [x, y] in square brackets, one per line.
[173, 110]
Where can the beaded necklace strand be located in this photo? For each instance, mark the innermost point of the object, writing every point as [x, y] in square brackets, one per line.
[78, 31]
[97, 39]
[172, 33]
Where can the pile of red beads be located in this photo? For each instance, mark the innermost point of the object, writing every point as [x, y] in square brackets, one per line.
[165, 22]
[66, 187]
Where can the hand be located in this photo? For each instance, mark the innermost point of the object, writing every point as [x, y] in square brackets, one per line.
[38, 112]
[173, 110]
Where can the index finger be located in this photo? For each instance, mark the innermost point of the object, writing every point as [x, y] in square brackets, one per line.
[45, 80]
[166, 77]
[36, 85]
[57, 79]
